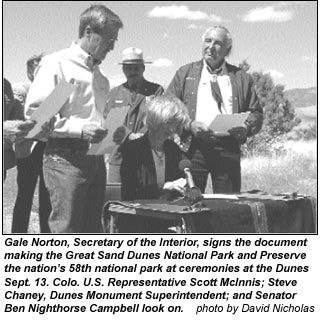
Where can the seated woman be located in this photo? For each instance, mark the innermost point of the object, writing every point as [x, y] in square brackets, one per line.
[150, 165]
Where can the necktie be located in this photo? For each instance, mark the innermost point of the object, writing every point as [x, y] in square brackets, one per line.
[133, 93]
[216, 93]
[96, 62]
[91, 62]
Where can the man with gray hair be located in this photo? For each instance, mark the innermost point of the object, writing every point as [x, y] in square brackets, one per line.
[210, 87]
[75, 180]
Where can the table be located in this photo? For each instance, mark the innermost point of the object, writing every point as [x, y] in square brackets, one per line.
[250, 213]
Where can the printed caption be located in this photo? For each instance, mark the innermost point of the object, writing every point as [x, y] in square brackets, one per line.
[155, 274]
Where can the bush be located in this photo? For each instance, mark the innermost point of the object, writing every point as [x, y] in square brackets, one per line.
[279, 114]
[304, 132]
[264, 144]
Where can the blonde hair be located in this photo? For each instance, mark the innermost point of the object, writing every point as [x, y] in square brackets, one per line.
[166, 112]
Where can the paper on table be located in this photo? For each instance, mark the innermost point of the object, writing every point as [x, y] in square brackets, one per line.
[220, 196]
[224, 122]
[114, 120]
[51, 106]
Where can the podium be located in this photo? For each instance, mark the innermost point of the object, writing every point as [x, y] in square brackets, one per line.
[249, 214]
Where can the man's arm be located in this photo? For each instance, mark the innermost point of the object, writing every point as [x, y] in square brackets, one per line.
[17, 111]
[176, 85]
[176, 88]
[43, 84]
[254, 121]
[7, 100]
[46, 79]
[15, 130]
[255, 118]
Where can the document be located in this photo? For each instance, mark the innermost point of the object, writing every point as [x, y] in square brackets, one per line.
[114, 120]
[224, 122]
[220, 196]
[51, 106]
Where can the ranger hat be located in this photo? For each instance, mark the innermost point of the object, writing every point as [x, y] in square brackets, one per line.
[133, 56]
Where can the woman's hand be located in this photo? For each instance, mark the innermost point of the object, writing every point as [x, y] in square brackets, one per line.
[197, 127]
[176, 185]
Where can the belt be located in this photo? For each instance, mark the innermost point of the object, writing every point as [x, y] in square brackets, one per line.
[72, 144]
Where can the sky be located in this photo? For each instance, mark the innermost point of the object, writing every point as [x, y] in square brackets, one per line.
[279, 38]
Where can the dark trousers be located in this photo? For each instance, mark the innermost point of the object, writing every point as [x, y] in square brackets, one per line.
[221, 160]
[28, 171]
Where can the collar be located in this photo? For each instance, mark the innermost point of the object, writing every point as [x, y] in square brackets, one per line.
[137, 88]
[221, 71]
[84, 56]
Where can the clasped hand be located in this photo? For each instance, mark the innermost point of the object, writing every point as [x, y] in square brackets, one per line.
[239, 133]
[94, 133]
[121, 132]
[201, 130]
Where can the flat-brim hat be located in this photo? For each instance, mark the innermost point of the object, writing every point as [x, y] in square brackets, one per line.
[133, 55]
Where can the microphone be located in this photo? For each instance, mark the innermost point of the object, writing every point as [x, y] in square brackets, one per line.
[193, 193]
[185, 165]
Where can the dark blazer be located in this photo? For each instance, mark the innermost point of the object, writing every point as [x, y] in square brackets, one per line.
[122, 96]
[138, 173]
[11, 110]
[134, 121]
[244, 98]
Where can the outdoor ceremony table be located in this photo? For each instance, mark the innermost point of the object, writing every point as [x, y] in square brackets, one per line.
[249, 213]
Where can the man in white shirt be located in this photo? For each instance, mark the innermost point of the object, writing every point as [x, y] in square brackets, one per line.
[210, 87]
[76, 182]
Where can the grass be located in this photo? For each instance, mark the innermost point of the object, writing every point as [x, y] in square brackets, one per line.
[296, 171]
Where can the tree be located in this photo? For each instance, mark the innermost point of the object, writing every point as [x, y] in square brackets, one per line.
[279, 114]
[244, 65]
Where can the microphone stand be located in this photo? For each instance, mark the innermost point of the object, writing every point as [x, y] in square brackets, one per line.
[193, 194]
